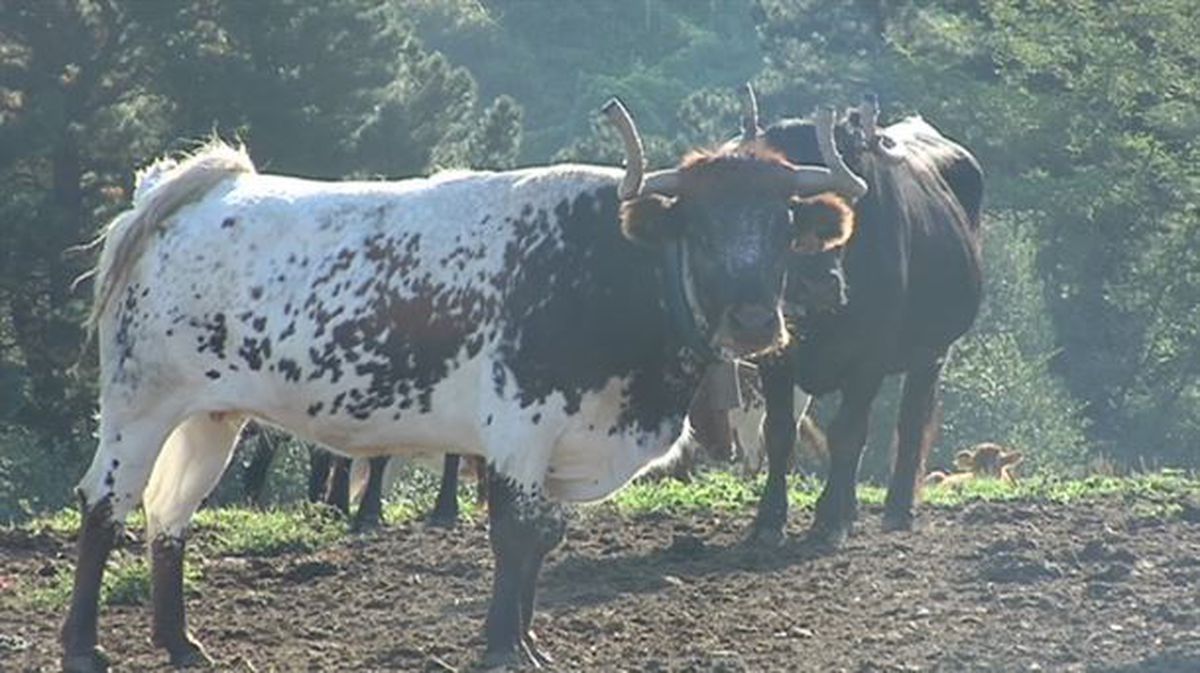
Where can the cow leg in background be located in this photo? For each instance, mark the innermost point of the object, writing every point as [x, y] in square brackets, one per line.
[523, 527]
[319, 462]
[254, 479]
[837, 508]
[370, 508]
[190, 466]
[915, 433]
[337, 492]
[779, 435]
[479, 469]
[445, 510]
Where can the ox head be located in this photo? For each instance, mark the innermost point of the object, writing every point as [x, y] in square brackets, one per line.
[816, 281]
[988, 460]
[733, 220]
[824, 224]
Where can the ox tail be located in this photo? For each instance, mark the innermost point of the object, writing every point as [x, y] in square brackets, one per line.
[162, 189]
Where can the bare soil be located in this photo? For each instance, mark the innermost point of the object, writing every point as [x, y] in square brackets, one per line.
[988, 587]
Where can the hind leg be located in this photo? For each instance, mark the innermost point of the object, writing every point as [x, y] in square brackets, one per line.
[191, 463]
[109, 490]
[915, 434]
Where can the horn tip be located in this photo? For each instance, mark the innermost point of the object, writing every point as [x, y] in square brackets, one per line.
[612, 104]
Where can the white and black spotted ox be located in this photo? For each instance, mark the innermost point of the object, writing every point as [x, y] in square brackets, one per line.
[554, 321]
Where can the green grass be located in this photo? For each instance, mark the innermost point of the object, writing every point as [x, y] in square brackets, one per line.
[65, 522]
[717, 491]
[243, 531]
[724, 491]
[126, 582]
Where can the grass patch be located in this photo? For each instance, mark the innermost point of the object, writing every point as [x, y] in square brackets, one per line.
[126, 582]
[719, 491]
[413, 496]
[65, 523]
[243, 531]
[725, 491]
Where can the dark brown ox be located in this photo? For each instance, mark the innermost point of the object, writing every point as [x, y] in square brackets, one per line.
[913, 286]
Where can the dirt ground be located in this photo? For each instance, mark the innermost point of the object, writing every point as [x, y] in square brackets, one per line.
[986, 587]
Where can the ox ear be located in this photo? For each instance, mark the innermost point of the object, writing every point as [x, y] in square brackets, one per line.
[964, 460]
[650, 219]
[822, 222]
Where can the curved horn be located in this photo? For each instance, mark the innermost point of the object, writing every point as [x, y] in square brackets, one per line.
[838, 177]
[750, 128]
[635, 158]
[878, 143]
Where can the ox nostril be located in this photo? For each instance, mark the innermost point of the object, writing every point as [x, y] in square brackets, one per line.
[754, 318]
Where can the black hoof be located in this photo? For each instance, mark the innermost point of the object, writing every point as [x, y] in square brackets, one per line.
[765, 536]
[828, 537]
[493, 662]
[436, 520]
[528, 655]
[898, 522]
[366, 524]
[95, 661]
[190, 655]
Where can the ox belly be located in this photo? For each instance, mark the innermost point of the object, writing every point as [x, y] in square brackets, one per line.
[595, 456]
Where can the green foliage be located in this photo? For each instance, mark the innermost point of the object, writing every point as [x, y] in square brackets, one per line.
[563, 60]
[26, 485]
[413, 495]
[1078, 112]
[999, 386]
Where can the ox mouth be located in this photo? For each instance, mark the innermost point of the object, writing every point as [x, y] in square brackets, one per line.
[799, 319]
